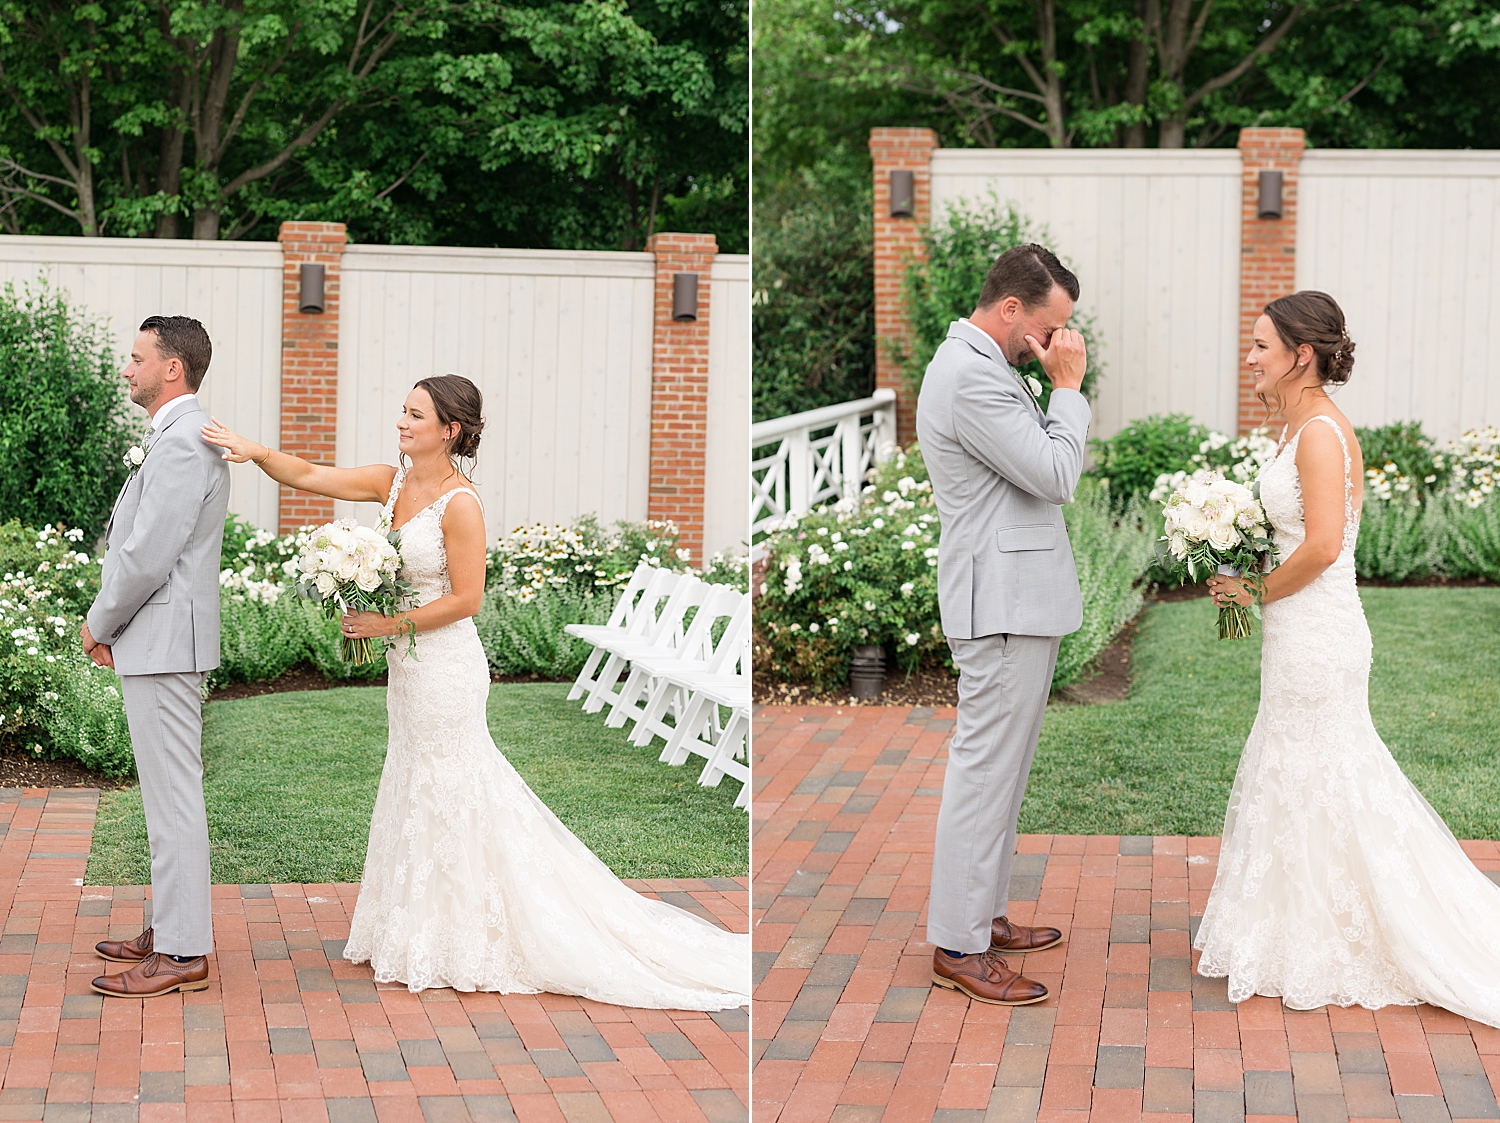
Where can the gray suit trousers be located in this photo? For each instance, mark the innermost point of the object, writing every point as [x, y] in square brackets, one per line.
[166, 731]
[1003, 685]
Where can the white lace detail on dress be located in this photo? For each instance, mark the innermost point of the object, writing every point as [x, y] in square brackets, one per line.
[471, 882]
[1337, 883]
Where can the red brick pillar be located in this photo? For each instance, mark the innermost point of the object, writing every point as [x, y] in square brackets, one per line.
[898, 240]
[309, 361]
[679, 389]
[1268, 246]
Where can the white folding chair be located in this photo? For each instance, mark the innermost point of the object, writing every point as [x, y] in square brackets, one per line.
[698, 730]
[723, 761]
[662, 633]
[693, 653]
[668, 696]
[629, 616]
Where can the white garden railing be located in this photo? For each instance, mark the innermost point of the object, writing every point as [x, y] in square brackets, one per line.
[820, 456]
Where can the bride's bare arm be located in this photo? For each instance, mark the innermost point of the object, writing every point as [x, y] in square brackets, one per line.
[369, 484]
[463, 538]
[1320, 464]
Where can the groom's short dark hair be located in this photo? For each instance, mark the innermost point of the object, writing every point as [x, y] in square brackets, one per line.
[184, 339]
[1027, 273]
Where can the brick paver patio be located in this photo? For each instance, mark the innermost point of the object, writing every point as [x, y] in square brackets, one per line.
[288, 1032]
[847, 1027]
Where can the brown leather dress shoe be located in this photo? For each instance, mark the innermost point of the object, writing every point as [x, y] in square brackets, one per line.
[155, 975]
[1017, 939]
[126, 951]
[984, 977]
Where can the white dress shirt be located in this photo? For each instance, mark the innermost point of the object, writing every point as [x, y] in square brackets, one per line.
[181, 402]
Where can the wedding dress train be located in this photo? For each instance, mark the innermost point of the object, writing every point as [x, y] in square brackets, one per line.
[1337, 883]
[471, 882]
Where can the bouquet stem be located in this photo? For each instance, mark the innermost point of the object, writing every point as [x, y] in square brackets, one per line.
[359, 649]
[1234, 619]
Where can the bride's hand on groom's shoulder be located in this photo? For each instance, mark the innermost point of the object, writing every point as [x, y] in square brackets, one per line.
[1064, 358]
[237, 449]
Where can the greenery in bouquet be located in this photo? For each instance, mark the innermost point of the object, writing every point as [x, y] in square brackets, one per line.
[345, 567]
[1214, 524]
[54, 701]
[941, 285]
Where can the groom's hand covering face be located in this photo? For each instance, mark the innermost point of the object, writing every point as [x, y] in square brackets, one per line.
[1039, 322]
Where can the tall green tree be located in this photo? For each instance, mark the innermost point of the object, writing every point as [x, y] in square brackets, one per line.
[573, 123]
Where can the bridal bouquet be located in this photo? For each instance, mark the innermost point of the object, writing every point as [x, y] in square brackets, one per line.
[346, 567]
[1216, 525]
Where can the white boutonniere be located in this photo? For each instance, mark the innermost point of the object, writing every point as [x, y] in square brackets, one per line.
[135, 456]
[1032, 387]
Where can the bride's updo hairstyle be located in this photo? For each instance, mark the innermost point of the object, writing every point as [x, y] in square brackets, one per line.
[457, 401]
[1316, 319]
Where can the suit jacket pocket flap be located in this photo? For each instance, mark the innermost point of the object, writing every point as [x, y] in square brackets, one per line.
[1040, 536]
[162, 595]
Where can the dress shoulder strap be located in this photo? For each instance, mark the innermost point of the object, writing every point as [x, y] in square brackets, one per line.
[390, 500]
[442, 504]
[1348, 462]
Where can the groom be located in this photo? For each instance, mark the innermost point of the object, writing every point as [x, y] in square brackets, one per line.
[1007, 591]
[156, 622]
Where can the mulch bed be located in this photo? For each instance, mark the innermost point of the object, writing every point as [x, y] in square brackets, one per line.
[304, 676]
[20, 769]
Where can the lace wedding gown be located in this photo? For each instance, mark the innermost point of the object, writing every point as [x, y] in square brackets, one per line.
[471, 882]
[1337, 883]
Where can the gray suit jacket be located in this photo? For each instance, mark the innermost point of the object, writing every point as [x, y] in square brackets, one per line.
[158, 602]
[1000, 469]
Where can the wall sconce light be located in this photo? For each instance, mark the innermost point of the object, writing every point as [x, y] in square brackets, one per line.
[684, 296]
[311, 299]
[903, 194]
[1270, 195]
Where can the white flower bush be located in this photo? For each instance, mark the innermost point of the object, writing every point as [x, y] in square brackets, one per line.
[54, 701]
[1238, 459]
[865, 572]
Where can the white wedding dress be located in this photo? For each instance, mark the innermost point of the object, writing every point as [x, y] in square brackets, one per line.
[470, 882]
[1337, 883]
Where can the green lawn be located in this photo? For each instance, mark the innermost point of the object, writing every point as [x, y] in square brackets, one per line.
[290, 780]
[1162, 761]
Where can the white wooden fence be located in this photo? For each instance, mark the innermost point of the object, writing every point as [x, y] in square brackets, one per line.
[817, 457]
[559, 343]
[1408, 242]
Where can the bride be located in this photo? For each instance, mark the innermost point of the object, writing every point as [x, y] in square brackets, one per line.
[1337, 883]
[470, 882]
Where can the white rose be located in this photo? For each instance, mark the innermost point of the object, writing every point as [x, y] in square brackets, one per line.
[347, 568]
[326, 583]
[136, 456]
[1195, 523]
[1222, 536]
[368, 580]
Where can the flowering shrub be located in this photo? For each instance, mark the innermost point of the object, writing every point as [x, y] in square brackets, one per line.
[583, 558]
[866, 573]
[54, 701]
[1428, 510]
[543, 578]
[853, 573]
